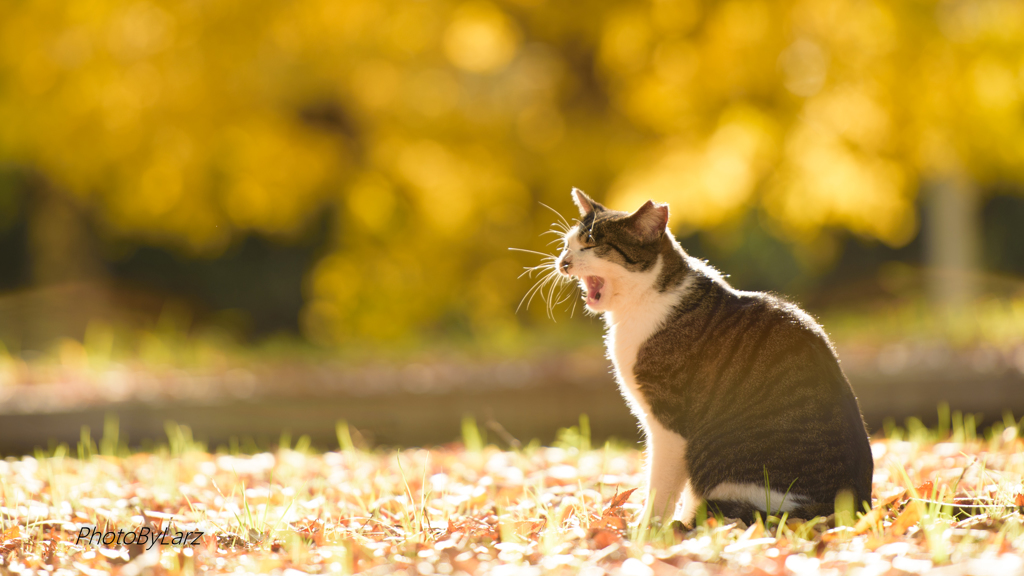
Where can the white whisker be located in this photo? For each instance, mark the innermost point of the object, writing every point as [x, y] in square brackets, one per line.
[557, 213]
[529, 251]
[529, 294]
[553, 287]
[529, 270]
[545, 282]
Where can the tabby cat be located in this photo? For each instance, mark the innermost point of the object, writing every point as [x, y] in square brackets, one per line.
[740, 394]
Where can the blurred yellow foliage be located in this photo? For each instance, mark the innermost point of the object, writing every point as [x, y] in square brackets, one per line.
[430, 129]
[480, 38]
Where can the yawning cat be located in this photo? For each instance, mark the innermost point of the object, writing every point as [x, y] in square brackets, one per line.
[740, 394]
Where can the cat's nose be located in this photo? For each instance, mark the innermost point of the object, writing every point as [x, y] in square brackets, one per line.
[564, 261]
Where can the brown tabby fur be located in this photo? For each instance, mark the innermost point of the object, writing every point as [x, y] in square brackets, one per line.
[749, 381]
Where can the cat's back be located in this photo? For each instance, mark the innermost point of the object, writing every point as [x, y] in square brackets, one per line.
[716, 328]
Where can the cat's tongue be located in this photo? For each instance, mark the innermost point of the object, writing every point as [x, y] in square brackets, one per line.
[594, 286]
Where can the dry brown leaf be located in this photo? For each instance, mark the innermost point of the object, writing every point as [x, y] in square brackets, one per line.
[10, 540]
[604, 538]
[11, 533]
[529, 528]
[567, 512]
[619, 499]
[898, 496]
[909, 517]
[868, 520]
[610, 522]
[925, 490]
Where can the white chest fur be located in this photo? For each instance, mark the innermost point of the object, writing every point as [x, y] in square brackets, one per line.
[623, 342]
[629, 326]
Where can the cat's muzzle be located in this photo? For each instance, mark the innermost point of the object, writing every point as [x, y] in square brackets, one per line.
[564, 262]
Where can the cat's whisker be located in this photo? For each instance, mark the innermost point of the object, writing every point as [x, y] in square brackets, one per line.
[541, 286]
[529, 270]
[544, 297]
[546, 261]
[547, 298]
[529, 251]
[557, 213]
[552, 298]
[528, 295]
[537, 288]
[559, 227]
[564, 293]
[550, 285]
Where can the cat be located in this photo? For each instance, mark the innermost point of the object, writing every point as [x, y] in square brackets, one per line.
[739, 394]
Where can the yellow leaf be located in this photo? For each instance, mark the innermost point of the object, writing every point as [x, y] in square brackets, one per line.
[868, 520]
[910, 516]
[11, 533]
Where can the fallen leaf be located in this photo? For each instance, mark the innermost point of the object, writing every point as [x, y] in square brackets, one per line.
[909, 517]
[567, 512]
[868, 520]
[610, 522]
[897, 496]
[528, 528]
[604, 538]
[925, 490]
[620, 499]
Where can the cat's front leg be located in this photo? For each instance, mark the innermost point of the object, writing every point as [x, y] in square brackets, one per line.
[666, 471]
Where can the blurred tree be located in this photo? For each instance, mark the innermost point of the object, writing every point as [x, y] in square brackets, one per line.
[431, 128]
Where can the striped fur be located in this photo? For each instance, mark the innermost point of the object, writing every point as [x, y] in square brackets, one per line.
[730, 387]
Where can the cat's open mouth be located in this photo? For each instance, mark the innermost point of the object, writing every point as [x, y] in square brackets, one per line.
[594, 286]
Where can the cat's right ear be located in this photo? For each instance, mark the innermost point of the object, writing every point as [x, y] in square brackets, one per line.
[649, 221]
[585, 203]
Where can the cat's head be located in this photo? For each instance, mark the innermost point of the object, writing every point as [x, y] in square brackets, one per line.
[613, 253]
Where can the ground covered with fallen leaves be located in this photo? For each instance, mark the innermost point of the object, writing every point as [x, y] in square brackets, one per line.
[943, 507]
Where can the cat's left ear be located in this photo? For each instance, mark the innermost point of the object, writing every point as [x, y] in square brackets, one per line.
[650, 221]
[585, 203]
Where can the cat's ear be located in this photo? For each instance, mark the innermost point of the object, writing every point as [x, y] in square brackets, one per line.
[585, 203]
[649, 221]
